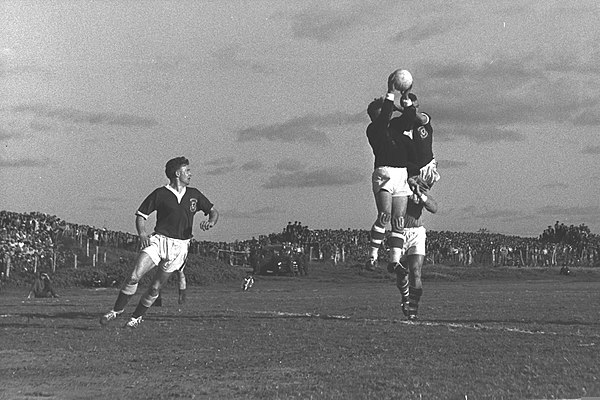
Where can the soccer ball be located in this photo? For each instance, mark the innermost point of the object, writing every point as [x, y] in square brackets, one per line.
[401, 79]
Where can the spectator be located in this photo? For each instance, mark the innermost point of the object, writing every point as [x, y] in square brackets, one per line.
[42, 287]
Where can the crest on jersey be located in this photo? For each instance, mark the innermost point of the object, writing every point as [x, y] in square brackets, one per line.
[193, 204]
[423, 132]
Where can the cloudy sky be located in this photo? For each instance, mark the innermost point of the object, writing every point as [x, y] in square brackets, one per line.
[267, 99]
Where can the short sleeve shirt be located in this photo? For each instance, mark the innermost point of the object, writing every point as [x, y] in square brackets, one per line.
[423, 140]
[174, 214]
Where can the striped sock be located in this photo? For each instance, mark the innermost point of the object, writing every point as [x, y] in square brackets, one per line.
[377, 236]
[402, 284]
[396, 243]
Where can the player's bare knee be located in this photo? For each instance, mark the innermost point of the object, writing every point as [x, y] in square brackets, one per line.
[153, 291]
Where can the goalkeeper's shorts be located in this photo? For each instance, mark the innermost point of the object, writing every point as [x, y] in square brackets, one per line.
[391, 179]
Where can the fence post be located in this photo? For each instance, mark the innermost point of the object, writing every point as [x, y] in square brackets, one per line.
[93, 260]
[75, 261]
[35, 262]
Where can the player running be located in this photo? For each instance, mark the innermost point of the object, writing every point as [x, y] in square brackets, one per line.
[175, 204]
[411, 286]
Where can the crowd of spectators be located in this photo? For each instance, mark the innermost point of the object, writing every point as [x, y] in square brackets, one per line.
[27, 240]
[33, 241]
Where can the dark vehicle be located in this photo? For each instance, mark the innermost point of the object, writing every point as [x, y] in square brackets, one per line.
[279, 260]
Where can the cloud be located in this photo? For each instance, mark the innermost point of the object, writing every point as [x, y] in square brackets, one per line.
[253, 165]
[8, 134]
[521, 93]
[504, 214]
[221, 165]
[23, 163]
[218, 171]
[16, 70]
[588, 117]
[451, 164]
[9, 66]
[229, 57]
[295, 131]
[305, 129]
[485, 134]
[595, 150]
[221, 161]
[577, 211]
[108, 199]
[323, 24]
[105, 203]
[524, 91]
[314, 178]
[290, 165]
[424, 31]
[255, 214]
[85, 117]
[561, 186]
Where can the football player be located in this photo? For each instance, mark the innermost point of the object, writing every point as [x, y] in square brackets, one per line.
[175, 204]
[411, 286]
[395, 155]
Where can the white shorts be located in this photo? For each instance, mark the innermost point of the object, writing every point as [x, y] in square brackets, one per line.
[414, 241]
[169, 254]
[391, 179]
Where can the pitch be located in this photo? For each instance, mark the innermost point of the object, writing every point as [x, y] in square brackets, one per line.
[334, 335]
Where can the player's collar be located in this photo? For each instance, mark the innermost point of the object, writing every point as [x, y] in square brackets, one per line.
[177, 194]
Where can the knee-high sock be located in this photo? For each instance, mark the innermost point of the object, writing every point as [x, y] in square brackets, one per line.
[377, 236]
[396, 245]
[121, 302]
[404, 288]
[413, 299]
[145, 303]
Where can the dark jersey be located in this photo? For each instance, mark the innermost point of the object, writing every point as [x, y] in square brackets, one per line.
[414, 212]
[174, 217]
[423, 143]
[390, 138]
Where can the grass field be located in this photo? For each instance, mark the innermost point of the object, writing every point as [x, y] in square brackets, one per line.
[333, 335]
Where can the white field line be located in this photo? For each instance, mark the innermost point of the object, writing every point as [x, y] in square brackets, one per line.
[451, 325]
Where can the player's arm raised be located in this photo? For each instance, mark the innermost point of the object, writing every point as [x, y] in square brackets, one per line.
[428, 202]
